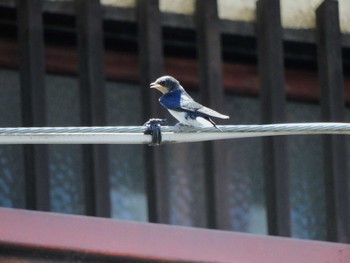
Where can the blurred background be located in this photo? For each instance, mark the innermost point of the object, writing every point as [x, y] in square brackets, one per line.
[53, 60]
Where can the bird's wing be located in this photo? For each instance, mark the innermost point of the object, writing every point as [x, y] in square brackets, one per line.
[188, 104]
[212, 113]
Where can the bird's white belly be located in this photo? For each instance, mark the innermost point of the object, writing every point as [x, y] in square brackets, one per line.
[197, 122]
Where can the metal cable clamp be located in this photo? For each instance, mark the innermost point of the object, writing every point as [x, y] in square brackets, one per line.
[154, 129]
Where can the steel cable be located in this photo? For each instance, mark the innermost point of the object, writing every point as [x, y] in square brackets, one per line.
[171, 134]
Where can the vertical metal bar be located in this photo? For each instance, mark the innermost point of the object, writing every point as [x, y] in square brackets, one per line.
[33, 100]
[333, 109]
[211, 88]
[151, 62]
[271, 73]
[93, 104]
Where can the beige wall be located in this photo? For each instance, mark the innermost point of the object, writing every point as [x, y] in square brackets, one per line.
[295, 13]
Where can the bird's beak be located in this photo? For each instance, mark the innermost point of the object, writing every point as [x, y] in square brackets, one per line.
[159, 87]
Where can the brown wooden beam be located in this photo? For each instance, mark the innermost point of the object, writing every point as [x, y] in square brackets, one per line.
[28, 231]
[93, 105]
[151, 68]
[33, 101]
[333, 109]
[212, 95]
[237, 78]
[273, 109]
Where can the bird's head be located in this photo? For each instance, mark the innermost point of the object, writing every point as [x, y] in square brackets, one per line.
[165, 84]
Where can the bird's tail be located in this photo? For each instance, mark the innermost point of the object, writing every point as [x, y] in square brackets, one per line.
[214, 124]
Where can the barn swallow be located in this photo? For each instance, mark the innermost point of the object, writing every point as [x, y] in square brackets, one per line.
[177, 101]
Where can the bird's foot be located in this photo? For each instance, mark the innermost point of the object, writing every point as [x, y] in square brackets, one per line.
[155, 121]
[181, 126]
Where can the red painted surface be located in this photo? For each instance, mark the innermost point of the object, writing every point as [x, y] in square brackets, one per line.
[238, 78]
[98, 236]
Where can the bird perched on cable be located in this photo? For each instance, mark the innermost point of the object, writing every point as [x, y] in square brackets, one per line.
[177, 101]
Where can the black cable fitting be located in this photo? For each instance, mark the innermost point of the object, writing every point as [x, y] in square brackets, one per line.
[154, 129]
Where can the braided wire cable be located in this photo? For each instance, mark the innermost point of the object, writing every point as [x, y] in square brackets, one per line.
[319, 127]
[171, 134]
